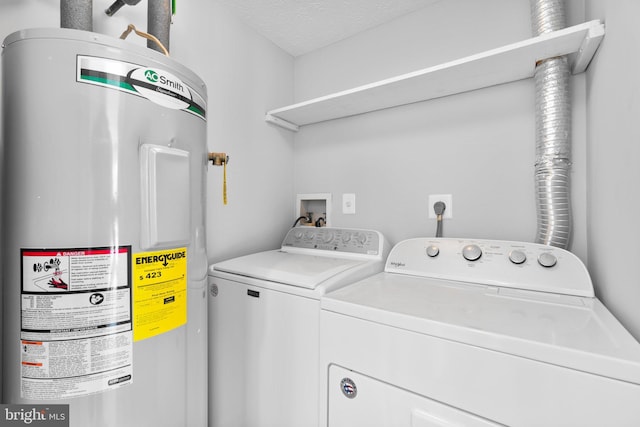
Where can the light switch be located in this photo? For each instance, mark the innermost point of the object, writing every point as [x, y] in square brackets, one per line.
[349, 203]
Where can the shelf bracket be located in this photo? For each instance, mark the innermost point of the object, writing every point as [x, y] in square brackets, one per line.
[588, 48]
[282, 123]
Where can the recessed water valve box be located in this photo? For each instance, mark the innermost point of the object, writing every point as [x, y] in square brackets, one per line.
[315, 207]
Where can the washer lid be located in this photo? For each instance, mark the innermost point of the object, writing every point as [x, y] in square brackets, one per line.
[575, 332]
[303, 270]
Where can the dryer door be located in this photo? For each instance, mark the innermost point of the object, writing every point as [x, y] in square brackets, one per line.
[358, 400]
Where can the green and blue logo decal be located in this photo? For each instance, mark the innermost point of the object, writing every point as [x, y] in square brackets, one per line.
[158, 86]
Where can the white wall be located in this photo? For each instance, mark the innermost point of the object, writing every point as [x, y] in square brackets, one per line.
[245, 75]
[478, 146]
[614, 156]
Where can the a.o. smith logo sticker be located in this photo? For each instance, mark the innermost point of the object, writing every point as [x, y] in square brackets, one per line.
[156, 85]
[160, 87]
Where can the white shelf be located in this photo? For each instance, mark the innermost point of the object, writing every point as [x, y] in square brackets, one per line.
[506, 64]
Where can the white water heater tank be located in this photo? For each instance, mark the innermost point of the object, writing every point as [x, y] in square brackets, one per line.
[104, 263]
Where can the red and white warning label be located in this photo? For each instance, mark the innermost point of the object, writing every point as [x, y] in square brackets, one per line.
[76, 324]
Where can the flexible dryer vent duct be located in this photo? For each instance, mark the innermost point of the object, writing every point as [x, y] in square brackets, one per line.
[76, 14]
[553, 126]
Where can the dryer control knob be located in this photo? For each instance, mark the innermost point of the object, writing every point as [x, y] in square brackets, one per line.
[517, 257]
[346, 237]
[547, 259]
[471, 252]
[433, 251]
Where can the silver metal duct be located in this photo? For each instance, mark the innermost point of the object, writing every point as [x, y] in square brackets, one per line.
[159, 22]
[76, 14]
[553, 131]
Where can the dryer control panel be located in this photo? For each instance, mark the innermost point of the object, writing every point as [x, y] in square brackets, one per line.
[344, 240]
[519, 265]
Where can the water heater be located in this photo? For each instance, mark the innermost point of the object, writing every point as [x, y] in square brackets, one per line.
[104, 263]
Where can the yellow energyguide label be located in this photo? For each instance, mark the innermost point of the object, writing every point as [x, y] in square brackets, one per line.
[159, 292]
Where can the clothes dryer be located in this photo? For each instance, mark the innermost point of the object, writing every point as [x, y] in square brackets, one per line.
[476, 333]
[264, 312]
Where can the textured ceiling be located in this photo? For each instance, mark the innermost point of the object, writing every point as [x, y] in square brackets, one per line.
[301, 26]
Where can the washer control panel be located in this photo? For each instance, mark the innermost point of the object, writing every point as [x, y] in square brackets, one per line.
[357, 241]
[520, 265]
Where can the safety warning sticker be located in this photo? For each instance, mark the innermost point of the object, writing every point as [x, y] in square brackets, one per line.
[76, 324]
[159, 292]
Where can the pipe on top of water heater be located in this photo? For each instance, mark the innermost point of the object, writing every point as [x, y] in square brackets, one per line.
[111, 10]
[77, 14]
[159, 14]
[159, 22]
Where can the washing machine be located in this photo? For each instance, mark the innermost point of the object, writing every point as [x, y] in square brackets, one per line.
[264, 314]
[460, 332]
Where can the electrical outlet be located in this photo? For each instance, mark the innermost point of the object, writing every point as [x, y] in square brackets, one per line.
[349, 203]
[448, 201]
